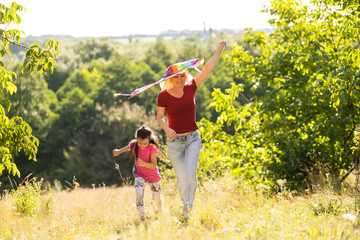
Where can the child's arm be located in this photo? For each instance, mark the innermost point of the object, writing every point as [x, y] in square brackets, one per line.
[152, 164]
[117, 152]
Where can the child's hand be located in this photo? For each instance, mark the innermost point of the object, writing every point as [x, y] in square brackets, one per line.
[140, 162]
[116, 152]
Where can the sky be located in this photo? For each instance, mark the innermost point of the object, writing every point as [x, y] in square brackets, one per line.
[99, 18]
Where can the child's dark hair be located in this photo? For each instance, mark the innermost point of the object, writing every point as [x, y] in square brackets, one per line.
[146, 133]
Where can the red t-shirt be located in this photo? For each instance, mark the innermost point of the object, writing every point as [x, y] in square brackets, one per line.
[180, 111]
[151, 175]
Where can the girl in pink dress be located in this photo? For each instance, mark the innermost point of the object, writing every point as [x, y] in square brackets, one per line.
[145, 149]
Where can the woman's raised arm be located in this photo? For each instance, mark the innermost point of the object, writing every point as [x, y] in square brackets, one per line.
[199, 79]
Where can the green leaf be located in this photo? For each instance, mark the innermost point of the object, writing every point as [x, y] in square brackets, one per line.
[2, 168]
[7, 104]
[320, 76]
[35, 45]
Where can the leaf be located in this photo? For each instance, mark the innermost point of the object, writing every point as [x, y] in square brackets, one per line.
[7, 104]
[15, 170]
[354, 83]
[320, 76]
[17, 19]
[281, 80]
[2, 168]
[35, 45]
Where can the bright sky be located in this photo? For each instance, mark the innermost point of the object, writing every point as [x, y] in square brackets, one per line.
[87, 18]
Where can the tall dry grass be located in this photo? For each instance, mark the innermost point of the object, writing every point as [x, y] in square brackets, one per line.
[224, 209]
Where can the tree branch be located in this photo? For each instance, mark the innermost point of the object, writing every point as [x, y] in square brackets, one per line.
[14, 43]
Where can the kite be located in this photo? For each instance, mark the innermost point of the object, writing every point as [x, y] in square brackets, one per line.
[172, 71]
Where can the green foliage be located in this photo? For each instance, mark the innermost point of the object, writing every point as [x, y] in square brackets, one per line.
[34, 102]
[332, 206]
[210, 218]
[35, 56]
[94, 49]
[5, 233]
[27, 197]
[159, 55]
[234, 153]
[120, 75]
[15, 133]
[91, 155]
[309, 68]
[88, 82]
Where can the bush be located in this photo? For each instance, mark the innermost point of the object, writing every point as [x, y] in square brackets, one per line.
[27, 197]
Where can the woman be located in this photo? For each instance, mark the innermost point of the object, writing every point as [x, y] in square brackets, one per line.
[177, 100]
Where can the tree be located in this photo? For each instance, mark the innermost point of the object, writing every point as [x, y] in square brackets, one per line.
[304, 128]
[88, 155]
[94, 49]
[119, 75]
[15, 133]
[159, 56]
[33, 101]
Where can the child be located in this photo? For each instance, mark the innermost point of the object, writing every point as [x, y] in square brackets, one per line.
[145, 149]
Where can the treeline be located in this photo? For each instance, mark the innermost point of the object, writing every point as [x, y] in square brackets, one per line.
[75, 116]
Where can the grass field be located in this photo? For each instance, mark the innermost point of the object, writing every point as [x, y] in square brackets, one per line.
[223, 210]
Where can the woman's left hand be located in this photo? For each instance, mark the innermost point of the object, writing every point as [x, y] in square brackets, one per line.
[222, 44]
[199, 79]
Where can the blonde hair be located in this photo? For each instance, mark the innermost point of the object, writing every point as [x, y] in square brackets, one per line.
[167, 84]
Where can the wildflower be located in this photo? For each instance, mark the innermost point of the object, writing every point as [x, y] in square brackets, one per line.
[262, 187]
[281, 182]
[350, 217]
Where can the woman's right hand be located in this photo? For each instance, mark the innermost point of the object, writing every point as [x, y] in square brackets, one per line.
[170, 133]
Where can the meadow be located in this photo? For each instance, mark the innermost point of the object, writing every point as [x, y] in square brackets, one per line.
[224, 209]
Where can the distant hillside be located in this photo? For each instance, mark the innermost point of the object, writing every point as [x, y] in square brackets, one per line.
[28, 40]
[169, 34]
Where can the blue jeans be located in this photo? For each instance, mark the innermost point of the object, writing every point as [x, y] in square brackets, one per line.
[184, 154]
